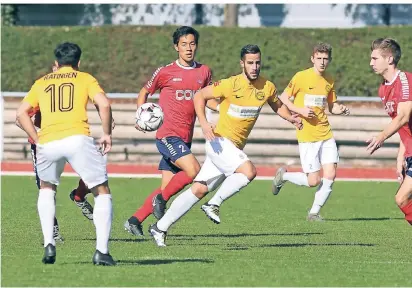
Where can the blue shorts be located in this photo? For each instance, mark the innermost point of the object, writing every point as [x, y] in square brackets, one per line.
[172, 148]
[408, 166]
[34, 157]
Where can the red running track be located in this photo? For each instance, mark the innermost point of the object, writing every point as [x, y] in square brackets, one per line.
[343, 172]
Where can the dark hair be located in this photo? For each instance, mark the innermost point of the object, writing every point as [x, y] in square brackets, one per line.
[249, 49]
[185, 30]
[68, 54]
[388, 45]
[322, 47]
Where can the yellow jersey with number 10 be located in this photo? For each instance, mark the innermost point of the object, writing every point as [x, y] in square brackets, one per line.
[62, 97]
[315, 91]
[241, 102]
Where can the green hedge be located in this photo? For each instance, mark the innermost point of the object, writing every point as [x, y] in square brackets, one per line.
[122, 58]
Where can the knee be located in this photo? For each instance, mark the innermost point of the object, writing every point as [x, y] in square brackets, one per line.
[193, 170]
[401, 200]
[251, 173]
[314, 180]
[199, 189]
[101, 189]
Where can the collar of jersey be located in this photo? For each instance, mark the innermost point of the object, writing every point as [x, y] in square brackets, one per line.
[186, 67]
[394, 78]
[65, 68]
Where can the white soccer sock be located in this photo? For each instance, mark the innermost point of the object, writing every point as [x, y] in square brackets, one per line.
[322, 195]
[46, 205]
[102, 219]
[179, 207]
[229, 187]
[297, 178]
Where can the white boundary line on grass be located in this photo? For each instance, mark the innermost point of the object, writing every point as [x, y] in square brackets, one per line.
[125, 175]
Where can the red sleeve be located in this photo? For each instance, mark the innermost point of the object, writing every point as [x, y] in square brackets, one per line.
[405, 93]
[155, 83]
[209, 77]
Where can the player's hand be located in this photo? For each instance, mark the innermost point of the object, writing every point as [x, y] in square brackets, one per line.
[400, 170]
[296, 121]
[113, 124]
[307, 112]
[105, 143]
[138, 128]
[343, 110]
[375, 143]
[207, 129]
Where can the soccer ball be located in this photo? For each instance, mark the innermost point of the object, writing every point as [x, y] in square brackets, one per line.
[149, 117]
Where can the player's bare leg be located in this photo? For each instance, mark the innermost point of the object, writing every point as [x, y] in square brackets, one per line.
[46, 206]
[102, 219]
[243, 175]
[78, 196]
[324, 189]
[190, 167]
[179, 207]
[403, 198]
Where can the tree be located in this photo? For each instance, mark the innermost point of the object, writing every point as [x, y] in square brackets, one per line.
[231, 15]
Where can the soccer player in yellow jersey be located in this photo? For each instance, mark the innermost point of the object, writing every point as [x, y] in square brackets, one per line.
[62, 97]
[312, 90]
[242, 97]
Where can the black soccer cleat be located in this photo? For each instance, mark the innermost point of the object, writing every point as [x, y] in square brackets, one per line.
[101, 259]
[133, 226]
[49, 254]
[159, 206]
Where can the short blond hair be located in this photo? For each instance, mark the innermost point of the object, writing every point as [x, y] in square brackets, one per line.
[388, 46]
[322, 47]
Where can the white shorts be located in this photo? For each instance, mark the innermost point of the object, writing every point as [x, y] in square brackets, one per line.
[80, 152]
[315, 154]
[222, 160]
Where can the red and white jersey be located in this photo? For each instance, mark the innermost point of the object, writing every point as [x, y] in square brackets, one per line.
[391, 94]
[178, 84]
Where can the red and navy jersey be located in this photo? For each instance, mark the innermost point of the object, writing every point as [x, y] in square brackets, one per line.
[391, 94]
[178, 84]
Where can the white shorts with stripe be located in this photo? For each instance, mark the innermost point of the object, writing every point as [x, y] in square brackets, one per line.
[222, 160]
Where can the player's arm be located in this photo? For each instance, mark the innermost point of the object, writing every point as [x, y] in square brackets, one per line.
[199, 100]
[338, 109]
[400, 162]
[304, 111]
[283, 111]
[403, 115]
[213, 104]
[333, 106]
[23, 118]
[97, 108]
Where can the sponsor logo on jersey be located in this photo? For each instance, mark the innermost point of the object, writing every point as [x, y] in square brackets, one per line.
[244, 112]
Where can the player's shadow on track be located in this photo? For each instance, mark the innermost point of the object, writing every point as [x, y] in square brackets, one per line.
[186, 237]
[364, 219]
[280, 245]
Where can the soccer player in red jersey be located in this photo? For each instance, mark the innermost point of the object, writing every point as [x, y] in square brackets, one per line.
[396, 95]
[177, 82]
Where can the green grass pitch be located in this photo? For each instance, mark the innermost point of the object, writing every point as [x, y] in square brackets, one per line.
[263, 240]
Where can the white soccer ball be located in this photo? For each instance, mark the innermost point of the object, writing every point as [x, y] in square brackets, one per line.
[149, 117]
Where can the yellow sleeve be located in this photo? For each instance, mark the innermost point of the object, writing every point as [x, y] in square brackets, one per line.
[274, 94]
[222, 89]
[293, 87]
[93, 88]
[33, 96]
[332, 95]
